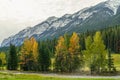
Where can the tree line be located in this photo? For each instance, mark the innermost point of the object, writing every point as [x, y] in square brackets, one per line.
[68, 53]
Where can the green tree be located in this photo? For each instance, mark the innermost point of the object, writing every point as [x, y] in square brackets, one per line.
[89, 59]
[0, 63]
[99, 51]
[96, 53]
[12, 61]
[111, 67]
[44, 60]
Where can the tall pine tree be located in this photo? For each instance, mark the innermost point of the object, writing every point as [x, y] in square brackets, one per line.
[44, 60]
[12, 62]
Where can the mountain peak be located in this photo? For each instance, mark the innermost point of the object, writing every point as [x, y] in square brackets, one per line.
[51, 19]
[66, 15]
[113, 5]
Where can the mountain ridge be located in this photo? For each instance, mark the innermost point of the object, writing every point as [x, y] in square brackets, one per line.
[91, 18]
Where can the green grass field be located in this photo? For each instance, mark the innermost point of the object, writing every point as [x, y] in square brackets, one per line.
[4, 76]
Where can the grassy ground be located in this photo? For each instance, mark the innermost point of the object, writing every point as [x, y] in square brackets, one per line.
[4, 76]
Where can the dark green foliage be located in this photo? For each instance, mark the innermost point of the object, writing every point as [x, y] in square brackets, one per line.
[12, 62]
[50, 44]
[4, 49]
[0, 62]
[112, 36]
[44, 57]
[111, 67]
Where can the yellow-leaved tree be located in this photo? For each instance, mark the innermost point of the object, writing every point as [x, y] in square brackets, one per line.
[29, 53]
[2, 59]
[34, 48]
[61, 50]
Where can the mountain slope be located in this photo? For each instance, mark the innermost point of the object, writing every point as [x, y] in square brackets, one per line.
[94, 18]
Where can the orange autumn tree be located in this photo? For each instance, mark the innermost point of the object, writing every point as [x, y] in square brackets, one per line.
[29, 53]
[74, 44]
[68, 57]
[74, 51]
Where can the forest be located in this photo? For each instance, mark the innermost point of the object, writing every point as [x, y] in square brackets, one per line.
[69, 53]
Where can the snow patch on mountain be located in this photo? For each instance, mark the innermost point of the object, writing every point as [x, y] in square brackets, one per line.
[113, 5]
[60, 23]
[84, 16]
[39, 28]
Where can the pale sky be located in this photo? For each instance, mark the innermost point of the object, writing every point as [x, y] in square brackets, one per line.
[16, 15]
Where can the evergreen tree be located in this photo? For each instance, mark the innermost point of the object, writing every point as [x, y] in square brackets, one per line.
[12, 62]
[111, 67]
[44, 57]
[1, 63]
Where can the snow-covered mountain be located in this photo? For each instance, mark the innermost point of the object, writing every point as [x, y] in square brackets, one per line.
[93, 18]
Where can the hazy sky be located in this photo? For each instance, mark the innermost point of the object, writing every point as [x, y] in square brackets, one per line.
[15, 15]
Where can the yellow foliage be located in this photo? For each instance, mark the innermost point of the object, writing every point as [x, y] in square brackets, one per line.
[34, 48]
[74, 43]
[61, 45]
[29, 50]
[3, 57]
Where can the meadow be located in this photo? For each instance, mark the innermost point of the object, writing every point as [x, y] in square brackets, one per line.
[6, 76]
